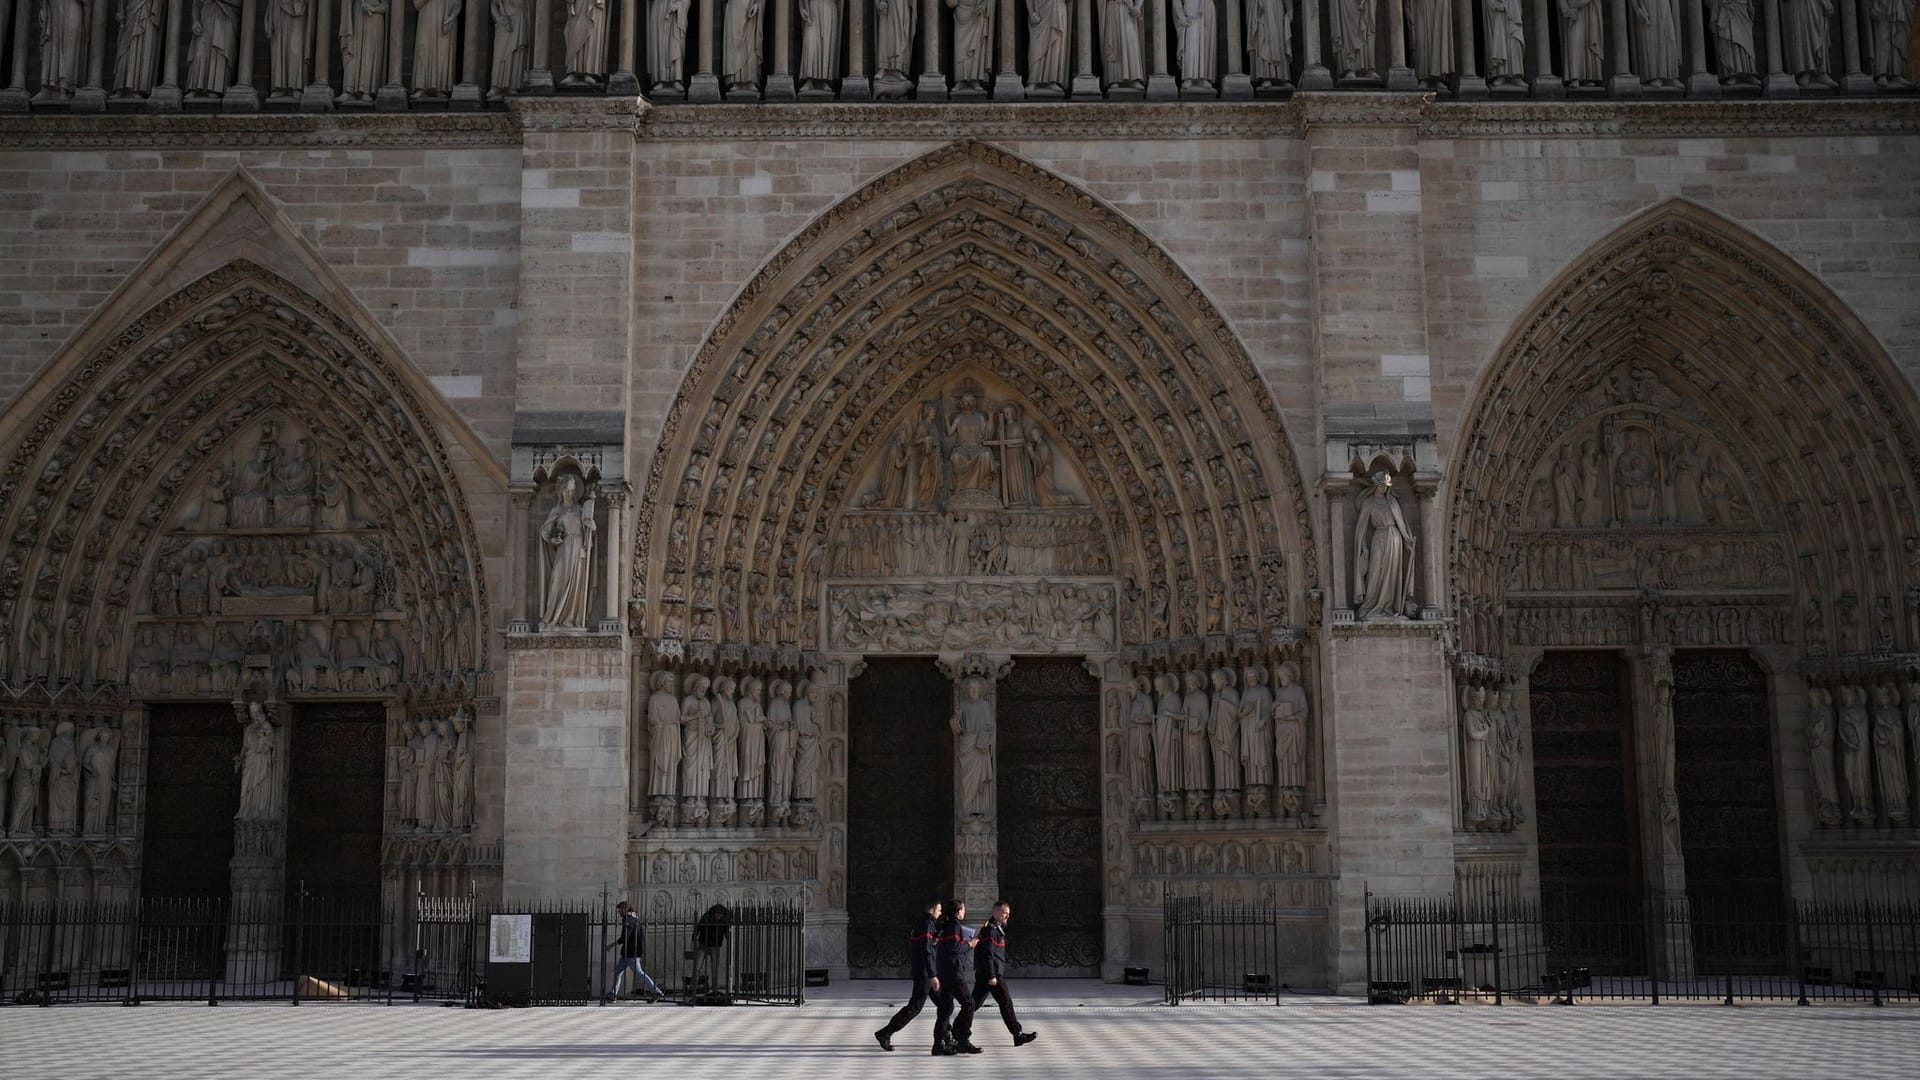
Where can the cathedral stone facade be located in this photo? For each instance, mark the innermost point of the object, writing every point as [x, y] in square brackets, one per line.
[1246, 453]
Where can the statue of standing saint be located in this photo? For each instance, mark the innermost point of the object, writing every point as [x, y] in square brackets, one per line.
[100, 762]
[1854, 769]
[1199, 66]
[28, 748]
[291, 40]
[753, 752]
[1826, 781]
[1584, 41]
[1353, 50]
[972, 43]
[586, 43]
[1807, 39]
[726, 749]
[1270, 42]
[63, 781]
[1732, 26]
[663, 741]
[743, 44]
[568, 530]
[216, 25]
[779, 751]
[1506, 43]
[893, 38]
[1121, 57]
[696, 754]
[1016, 482]
[1290, 713]
[973, 748]
[1431, 32]
[1256, 739]
[1892, 41]
[1382, 555]
[1889, 754]
[1167, 716]
[137, 53]
[667, 45]
[510, 46]
[819, 44]
[363, 49]
[1476, 742]
[256, 765]
[1140, 747]
[63, 46]
[1047, 45]
[1656, 40]
[434, 42]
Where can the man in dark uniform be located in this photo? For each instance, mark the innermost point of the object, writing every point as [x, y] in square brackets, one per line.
[990, 971]
[920, 960]
[951, 963]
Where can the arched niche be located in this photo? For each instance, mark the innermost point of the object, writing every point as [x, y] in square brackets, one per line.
[244, 436]
[1751, 448]
[971, 263]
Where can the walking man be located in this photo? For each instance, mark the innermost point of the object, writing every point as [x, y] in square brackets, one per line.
[632, 944]
[951, 963]
[990, 971]
[921, 964]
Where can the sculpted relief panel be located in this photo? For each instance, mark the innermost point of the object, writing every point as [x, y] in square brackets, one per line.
[1010, 616]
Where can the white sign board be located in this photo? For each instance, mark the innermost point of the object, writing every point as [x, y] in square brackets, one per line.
[510, 939]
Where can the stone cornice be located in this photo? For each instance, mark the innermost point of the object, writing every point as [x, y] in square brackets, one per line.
[518, 642]
[945, 121]
[198, 131]
[1605, 119]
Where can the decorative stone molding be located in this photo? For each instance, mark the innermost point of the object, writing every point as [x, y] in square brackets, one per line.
[1690, 119]
[54, 131]
[517, 642]
[583, 113]
[1023, 616]
[1121, 360]
[971, 121]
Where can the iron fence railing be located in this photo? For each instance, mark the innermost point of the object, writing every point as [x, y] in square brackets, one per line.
[1223, 951]
[1565, 947]
[318, 948]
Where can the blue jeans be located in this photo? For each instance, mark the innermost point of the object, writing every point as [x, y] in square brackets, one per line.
[640, 976]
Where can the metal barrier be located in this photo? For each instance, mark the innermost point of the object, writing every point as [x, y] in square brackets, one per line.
[1565, 948]
[1225, 952]
[303, 948]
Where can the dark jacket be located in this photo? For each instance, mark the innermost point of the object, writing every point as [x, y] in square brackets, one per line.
[952, 956]
[633, 936]
[920, 948]
[711, 930]
[990, 956]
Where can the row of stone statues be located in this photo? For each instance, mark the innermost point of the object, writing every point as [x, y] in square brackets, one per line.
[431, 771]
[732, 751]
[1490, 759]
[242, 574]
[324, 53]
[58, 776]
[305, 656]
[1219, 744]
[1863, 749]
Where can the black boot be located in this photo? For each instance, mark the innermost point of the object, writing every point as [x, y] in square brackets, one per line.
[884, 1038]
[943, 1049]
[1025, 1037]
[966, 1048]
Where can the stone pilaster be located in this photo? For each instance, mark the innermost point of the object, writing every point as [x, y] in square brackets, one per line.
[976, 821]
[1116, 699]
[258, 870]
[565, 782]
[827, 909]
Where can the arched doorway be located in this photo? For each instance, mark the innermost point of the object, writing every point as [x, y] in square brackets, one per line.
[1690, 466]
[973, 415]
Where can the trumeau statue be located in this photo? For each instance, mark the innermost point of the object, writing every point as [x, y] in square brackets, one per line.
[363, 48]
[1430, 25]
[568, 532]
[1656, 40]
[512, 39]
[64, 26]
[819, 43]
[1383, 566]
[1122, 58]
[1270, 41]
[258, 768]
[436, 36]
[744, 41]
[1199, 63]
[1892, 25]
[973, 734]
[667, 43]
[137, 53]
[1584, 41]
[586, 37]
[1806, 40]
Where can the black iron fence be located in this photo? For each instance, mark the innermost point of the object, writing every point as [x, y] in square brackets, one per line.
[1220, 951]
[308, 948]
[1567, 948]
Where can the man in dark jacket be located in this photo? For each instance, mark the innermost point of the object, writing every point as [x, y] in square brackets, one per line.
[951, 962]
[709, 948]
[920, 965]
[632, 944]
[990, 971]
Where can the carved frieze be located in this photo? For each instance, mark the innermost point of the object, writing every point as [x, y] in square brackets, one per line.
[1683, 624]
[1637, 559]
[1042, 615]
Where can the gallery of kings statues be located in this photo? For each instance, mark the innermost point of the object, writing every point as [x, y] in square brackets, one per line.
[1083, 451]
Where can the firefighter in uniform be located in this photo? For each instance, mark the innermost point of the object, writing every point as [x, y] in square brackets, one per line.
[920, 959]
[952, 962]
[990, 971]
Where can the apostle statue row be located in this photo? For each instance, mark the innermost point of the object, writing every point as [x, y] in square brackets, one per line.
[1863, 749]
[432, 771]
[358, 53]
[57, 776]
[1490, 759]
[732, 751]
[1219, 744]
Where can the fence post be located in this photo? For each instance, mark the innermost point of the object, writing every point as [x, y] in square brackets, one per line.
[1493, 916]
[1799, 951]
[214, 937]
[299, 934]
[1873, 954]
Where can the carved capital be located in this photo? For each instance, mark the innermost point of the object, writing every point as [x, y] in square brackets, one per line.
[957, 666]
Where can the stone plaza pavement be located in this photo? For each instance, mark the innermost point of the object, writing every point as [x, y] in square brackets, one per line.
[1086, 1029]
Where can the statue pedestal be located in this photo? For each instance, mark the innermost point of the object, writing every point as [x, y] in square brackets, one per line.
[466, 95]
[565, 789]
[1086, 88]
[1008, 87]
[856, 88]
[240, 98]
[704, 88]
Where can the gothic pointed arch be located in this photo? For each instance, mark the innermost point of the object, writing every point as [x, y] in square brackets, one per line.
[973, 267]
[234, 489]
[1687, 439]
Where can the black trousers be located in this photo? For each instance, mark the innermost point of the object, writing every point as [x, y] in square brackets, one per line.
[911, 1009]
[998, 992]
[951, 993]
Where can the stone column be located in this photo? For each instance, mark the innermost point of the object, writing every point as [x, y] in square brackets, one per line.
[976, 822]
[1313, 74]
[1399, 75]
[392, 96]
[1853, 80]
[14, 97]
[317, 96]
[856, 85]
[1006, 75]
[625, 82]
[933, 84]
[1161, 85]
[827, 907]
[780, 84]
[1662, 859]
[1116, 700]
[466, 93]
[1468, 85]
[613, 541]
[257, 872]
[93, 96]
[1086, 85]
[241, 96]
[1235, 84]
[704, 86]
[539, 78]
[1778, 84]
[1701, 83]
[1546, 85]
